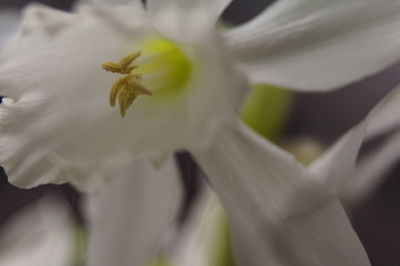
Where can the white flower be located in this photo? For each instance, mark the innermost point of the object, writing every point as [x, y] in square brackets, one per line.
[57, 119]
[56, 125]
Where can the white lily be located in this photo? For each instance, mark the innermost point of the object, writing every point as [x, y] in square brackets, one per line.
[57, 118]
[57, 95]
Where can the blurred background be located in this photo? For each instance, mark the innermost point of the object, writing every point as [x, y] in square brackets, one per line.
[320, 117]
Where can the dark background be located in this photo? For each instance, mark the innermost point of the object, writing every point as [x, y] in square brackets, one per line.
[323, 116]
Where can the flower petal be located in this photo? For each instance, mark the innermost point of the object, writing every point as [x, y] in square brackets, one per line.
[186, 17]
[387, 119]
[9, 21]
[132, 213]
[213, 7]
[321, 237]
[194, 244]
[315, 45]
[113, 2]
[40, 235]
[371, 171]
[335, 166]
[276, 204]
[256, 178]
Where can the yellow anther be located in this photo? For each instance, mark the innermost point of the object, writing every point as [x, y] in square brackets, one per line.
[127, 60]
[131, 98]
[128, 87]
[122, 98]
[112, 67]
[133, 81]
[116, 88]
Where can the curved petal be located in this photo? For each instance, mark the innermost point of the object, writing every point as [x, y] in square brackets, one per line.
[335, 166]
[197, 242]
[58, 118]
[386, 120]
[38, 236]
[318, 45]
[186, 17]
[132, 213]
[270, 183]
[370, 171]
[280, 209]
[321, 237]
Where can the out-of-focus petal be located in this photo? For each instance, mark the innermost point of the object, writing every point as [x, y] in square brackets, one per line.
[387, 119]
[255, 178]
[321, 237]
[131, 214]
[335, 166]
[9, 21]
[196, 243]
[277, 205]
[371, 171]
[318, 45]
[41, 235]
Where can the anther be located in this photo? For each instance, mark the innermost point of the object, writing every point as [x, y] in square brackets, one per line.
[128, 87]
[127, 60]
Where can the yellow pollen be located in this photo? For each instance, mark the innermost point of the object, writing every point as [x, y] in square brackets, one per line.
[129, 87]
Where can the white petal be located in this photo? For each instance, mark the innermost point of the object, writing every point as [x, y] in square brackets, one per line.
[322, 237]
[44, 22]
[113, 2]
[334, 167]
[186, 17]
[277, 203]
[9, 21]
[215, 7]
[370, 172]
[61, 121]
[317, 45]
[40, 235]
[387, 119]
[256, 178]
[195, 244]
[132, 213]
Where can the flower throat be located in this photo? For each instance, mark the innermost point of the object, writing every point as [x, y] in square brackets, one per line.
[158, 68]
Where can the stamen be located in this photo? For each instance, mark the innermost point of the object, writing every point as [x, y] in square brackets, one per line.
[127, 60]
[128, 87]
